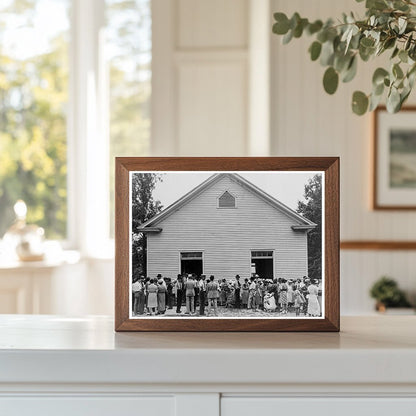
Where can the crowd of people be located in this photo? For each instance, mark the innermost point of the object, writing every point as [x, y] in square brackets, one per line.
[203, 296]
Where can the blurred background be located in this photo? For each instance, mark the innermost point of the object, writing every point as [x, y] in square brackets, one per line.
[83, 81]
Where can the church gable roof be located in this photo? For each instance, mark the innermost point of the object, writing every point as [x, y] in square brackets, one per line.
[301, 223]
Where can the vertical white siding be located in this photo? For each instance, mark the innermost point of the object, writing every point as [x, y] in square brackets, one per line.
[227, 236]
[200, 77]
[308, 122]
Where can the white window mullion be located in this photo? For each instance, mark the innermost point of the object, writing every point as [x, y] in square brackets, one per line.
[88, 135]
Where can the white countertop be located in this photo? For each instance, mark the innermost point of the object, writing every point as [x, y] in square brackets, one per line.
[52, 349]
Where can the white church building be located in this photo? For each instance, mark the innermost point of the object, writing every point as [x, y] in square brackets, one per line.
[227, 226]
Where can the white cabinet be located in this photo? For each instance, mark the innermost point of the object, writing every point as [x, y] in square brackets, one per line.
[88, 406]
[80, 366]
[311, 406]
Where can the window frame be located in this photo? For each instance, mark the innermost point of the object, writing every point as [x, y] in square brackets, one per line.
[191, 251]
[273, 258]
[232, 194]
[87, 133]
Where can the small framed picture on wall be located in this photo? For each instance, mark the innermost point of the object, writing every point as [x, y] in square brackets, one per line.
[394, 159]
[227, 244]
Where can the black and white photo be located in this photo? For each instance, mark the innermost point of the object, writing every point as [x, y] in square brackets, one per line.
[226, 244]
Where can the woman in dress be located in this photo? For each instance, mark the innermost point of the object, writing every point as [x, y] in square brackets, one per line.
[313, 303]
[244, 293]
[223, 292]
[283, 296]
[298, 300]
[161, 297]
[252, 289]
[230, 302]
[142, 296]
[152, 297]
[289, 296]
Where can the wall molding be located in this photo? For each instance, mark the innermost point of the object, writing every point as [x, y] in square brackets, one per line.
[377, 245]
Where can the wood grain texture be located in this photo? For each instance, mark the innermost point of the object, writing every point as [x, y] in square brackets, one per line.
[330, 165]
[376, 205]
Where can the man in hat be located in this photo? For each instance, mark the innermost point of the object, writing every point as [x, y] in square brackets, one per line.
[274, 288]
[237, 286]
[179, 288]
[136, 288]
[169, 292]
[202, 294]
[142, 296]
[212, 295]
[196, 290]
[190, 295]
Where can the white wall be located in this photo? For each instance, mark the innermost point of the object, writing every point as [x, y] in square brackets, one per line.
[218, 78]
[202, 84]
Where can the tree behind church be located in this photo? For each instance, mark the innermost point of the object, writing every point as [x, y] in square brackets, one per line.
[144, 207]
[311, 208]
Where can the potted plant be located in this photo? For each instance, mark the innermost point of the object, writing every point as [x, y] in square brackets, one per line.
[389, 27]
[387, 294]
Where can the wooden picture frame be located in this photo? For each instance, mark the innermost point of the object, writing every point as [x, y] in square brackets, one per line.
[327, 166]
[390, 190]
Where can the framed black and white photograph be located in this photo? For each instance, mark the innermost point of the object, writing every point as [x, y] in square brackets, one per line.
[394, 159]
[215, 248]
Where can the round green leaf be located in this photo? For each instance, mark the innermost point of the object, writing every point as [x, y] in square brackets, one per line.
[330, 80]
[367, 42]
[359, 103]
[351, 71]
[393, 101]
[378, 90]
[403, 55]
[322, 36]
[314, 27]
[395, 52]
[315, 50]
[288, 37]
[298, 30]
[327, 54]
[341, 61]
[365, 53]
[389, 43]
[397, 71]
[379, 75]
[281, 27]
[294, 20]
[374, 102]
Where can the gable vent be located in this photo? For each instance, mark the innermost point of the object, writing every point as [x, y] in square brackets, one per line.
[226, 200]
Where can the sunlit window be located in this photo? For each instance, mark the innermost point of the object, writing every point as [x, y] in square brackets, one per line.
[33, 102]
[41, 77]
[129, 45]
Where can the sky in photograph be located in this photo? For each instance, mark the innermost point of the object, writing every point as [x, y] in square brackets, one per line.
[286, 187]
